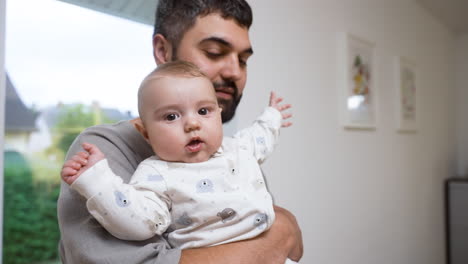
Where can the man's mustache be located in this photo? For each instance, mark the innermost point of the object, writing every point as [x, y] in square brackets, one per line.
[226, 84]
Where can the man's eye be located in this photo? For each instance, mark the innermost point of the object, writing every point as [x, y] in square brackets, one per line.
[203, 111]
[171, 117]
[213, 55]
[242, 63]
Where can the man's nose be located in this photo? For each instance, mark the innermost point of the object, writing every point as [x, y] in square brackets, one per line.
[192, 124]
[231, 68]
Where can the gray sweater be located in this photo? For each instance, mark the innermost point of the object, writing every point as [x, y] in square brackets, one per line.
[83, 239]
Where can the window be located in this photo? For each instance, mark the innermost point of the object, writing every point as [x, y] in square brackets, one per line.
[67, 68]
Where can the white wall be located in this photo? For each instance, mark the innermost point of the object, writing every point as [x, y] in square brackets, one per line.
[360, 196]
[462, 106]
[2, 107]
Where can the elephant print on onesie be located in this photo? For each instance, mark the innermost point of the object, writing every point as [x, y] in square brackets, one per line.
[261, 142]
[227, 214]
[155, 178]
[205, 186]
[184, 220]
[120, 199]
[260, 221]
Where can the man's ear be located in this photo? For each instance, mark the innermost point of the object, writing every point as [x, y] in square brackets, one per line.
[138, 124]
[162, 49]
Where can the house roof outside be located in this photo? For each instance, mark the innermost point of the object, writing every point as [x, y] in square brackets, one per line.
[18, 117]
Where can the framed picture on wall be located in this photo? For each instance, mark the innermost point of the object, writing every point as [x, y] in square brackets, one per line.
[406, 86]
[357, 90]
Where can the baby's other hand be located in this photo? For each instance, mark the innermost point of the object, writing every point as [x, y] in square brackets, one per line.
[275, 103]
[80, 162]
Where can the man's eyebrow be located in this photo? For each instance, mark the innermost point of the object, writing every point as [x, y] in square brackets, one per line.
[225, 43]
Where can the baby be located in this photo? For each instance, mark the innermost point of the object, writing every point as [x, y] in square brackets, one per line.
[200, 189]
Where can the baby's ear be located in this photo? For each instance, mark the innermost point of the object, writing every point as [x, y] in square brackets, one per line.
[138, 124]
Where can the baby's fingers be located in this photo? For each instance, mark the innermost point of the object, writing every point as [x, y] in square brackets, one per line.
[283, 107]
[68, 172]
[286, 124]
[81, 158]
[72, 164]
[274, 100]
[94, 152]
[286, 115]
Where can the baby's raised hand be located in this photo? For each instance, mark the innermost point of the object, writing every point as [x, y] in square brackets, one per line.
[80, 162]
[275, 103]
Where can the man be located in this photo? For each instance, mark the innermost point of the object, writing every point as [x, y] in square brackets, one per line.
[213, 34]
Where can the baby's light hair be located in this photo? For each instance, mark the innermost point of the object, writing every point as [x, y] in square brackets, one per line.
[176, 68]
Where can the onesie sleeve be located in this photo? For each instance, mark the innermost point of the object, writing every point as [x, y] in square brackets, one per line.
[262, 136]
[131, 211]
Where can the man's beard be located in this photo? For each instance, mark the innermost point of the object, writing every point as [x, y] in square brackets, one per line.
[229, 106]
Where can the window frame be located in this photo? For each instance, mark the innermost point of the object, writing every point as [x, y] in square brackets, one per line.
[2, 112]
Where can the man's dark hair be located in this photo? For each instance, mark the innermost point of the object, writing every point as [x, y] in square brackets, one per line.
[175, 17]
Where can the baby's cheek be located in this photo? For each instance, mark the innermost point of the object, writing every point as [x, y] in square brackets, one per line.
[218, 139]
[166, 147]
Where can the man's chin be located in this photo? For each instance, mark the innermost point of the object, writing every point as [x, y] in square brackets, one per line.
[228, 113]
[227, 117]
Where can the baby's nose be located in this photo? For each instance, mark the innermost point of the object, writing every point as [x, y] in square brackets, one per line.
[192, 124]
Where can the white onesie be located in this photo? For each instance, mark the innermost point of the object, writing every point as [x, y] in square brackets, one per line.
[222, 200]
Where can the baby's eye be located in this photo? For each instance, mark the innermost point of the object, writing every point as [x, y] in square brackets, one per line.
[171, 117]
[203, 111]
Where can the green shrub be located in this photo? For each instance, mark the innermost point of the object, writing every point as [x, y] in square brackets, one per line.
[30, 231]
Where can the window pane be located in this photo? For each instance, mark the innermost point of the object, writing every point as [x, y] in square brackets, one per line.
[67, 68]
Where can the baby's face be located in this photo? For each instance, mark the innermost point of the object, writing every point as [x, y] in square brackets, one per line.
[182, 118]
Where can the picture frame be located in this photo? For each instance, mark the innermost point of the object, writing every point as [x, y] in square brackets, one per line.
[406, 86]
[357, 82]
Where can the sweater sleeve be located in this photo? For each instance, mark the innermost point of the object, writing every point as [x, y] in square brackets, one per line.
[83, 240]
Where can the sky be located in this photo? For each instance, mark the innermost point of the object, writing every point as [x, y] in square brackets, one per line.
[58, 52]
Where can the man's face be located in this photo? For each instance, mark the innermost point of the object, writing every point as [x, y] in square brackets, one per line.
[220, 48]
[182, 118]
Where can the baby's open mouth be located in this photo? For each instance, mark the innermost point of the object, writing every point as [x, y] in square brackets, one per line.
[194, 145]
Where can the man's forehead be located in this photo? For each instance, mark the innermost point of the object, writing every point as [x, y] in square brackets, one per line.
[215, 26]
